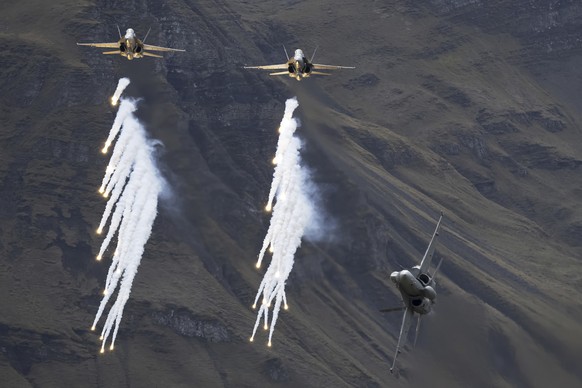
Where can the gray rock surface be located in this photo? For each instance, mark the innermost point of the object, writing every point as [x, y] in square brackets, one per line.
[470, 107]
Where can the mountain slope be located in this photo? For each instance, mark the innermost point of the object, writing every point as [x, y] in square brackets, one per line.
[455, 106]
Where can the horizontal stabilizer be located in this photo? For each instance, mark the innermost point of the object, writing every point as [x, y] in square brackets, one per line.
[318, 73]
[146, 54]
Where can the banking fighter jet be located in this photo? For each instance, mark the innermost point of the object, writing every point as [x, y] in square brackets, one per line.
[130, 47]
[417, 288]
[299, 66]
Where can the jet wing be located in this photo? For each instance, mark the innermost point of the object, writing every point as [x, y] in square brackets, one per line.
[408, 313]
[284, 66]
[425, 263]
[149, 47]
[330, 67]
[280, 73]
[102, 45]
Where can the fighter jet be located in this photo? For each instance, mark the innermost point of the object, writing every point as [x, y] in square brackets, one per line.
[299, 66]
[130, 47]
[417, 288]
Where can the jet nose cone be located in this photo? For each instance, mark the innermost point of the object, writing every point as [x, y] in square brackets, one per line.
[129, 33]
[395, 276]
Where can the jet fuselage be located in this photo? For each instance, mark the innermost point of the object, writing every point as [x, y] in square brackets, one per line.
[130, 46]
[299, 66]
[417, 289]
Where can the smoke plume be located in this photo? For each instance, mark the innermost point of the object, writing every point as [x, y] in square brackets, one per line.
[293, 212]
[132, 183]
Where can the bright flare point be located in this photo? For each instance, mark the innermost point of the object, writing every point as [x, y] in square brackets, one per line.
[121, 85]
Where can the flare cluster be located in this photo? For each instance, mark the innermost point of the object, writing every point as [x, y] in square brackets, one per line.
[292, 213]
[133, 184]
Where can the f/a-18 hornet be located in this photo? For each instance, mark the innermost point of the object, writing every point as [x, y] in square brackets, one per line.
[130, 47]
[417, 288]
[299, 66]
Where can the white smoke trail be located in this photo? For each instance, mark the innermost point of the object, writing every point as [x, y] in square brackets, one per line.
[124, 111]
[292, 214]
[286, 132]
[121, 85]
[134, 183]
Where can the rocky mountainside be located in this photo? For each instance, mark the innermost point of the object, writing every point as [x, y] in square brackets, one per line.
[455, 105]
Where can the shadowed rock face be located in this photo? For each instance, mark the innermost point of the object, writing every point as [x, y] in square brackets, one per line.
[463, 106]
[184, 323]
[275, 369]
[541, 25]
